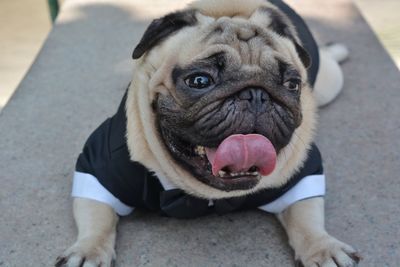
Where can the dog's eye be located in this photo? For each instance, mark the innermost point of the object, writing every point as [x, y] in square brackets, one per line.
[292, 84]
[199, 81]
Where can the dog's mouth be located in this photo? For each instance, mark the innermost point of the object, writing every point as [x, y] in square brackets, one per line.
[237, 163]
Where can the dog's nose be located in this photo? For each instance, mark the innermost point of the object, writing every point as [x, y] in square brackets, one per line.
[257, 97]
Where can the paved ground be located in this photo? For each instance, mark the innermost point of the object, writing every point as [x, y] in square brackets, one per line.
[22, 32]
[384, 22]
[78, 80]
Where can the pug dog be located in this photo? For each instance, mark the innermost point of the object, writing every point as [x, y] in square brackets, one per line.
[219, 117]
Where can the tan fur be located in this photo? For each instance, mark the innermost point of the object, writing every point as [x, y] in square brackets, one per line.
[152, 75]
[228, 8]
[95, 244]
[313, 246]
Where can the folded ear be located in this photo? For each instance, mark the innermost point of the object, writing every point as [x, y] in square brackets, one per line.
[280, 23]
[161, 28]
[303, 54]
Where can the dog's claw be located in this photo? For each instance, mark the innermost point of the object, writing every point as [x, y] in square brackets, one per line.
[298, 263]
[80, 255]
[60, 261]
[355, 256]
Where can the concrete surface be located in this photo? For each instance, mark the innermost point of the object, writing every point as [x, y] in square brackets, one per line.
[24, 25]
[78, 80]
[384, 22]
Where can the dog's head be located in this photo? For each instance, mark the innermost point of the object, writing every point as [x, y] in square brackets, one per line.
[219, 102]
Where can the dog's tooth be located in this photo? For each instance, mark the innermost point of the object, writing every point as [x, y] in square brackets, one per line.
[200, 150]
[222, 173]
[254, 173]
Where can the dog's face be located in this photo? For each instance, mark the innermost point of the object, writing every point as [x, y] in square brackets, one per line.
[219, 102]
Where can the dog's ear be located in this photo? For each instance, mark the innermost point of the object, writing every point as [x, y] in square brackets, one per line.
[280, 24]
[303, 54]
[161, 28]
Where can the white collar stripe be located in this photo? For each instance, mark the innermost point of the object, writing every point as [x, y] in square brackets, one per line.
[87, 186]
[308, 187]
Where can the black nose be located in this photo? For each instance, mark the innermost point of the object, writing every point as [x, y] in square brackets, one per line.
[257, 98]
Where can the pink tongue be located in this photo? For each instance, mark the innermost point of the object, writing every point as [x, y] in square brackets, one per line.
[238, 153]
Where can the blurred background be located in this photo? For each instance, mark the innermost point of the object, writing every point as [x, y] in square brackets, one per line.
[24, 25]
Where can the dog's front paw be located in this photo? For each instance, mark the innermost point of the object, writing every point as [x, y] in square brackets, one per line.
[90, 252]
[327, 252]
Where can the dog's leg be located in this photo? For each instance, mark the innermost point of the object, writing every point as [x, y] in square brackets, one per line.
[313, 246]
[329, 81]
[96, 223]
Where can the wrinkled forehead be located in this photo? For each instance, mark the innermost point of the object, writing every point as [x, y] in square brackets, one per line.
[248, 39]
[247, 16]
[232, 30]
[239, 40]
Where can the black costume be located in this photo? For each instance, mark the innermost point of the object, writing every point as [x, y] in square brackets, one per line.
[104, 171]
